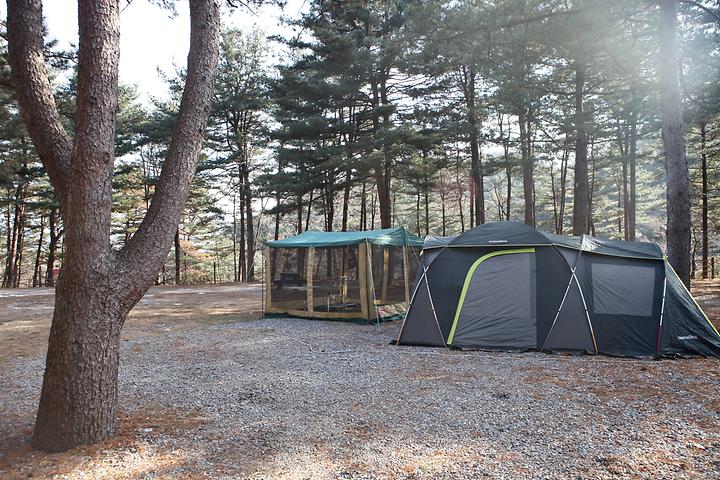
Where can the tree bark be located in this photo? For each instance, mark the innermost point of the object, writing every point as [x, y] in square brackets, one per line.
[527, 167]
[581, 192]
[37, 271]
[178, 256]
[250, 226]
[678, 178]
[98, 286]
[383, 165]
[476, 167]
[704, 199]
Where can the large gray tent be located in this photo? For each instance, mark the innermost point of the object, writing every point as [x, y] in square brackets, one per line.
[508, 286]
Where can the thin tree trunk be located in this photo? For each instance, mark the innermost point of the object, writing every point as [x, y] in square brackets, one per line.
[417, 212]
[581, 194]
[346, 202]
[678, 179]
[427, 207]
[178, 256]
[250, 227]
[52, 247]
[14, 244]
[242, 259]
[704, 198]
[527, 166]
[363, 207]
[309, 211]
[37, 272]
[459, 194]
[476, 168]
[632, 215]
[444, 219]
[234, 241]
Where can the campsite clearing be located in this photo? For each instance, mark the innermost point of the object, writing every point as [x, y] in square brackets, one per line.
[207, 390]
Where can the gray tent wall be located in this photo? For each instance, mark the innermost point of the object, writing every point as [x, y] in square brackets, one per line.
[505, 285]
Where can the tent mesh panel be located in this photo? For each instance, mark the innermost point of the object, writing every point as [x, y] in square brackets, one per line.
[288, 278]
[335, 279]
[388, 274]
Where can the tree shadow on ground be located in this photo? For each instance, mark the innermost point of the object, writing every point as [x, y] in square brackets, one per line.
[136, 451]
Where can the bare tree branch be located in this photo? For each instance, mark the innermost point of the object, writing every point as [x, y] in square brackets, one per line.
[147, 249]
[702, 7]
[37, 103]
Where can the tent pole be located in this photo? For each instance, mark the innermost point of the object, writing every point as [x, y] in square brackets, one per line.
[557, 314]
[582, 296]
[567, 290]
[309, 279]
[432, 306]
[371, 283]
[587, 314]
[385, 274]
[662, 312]
[268, 280]
[406, 274]
[362, 273]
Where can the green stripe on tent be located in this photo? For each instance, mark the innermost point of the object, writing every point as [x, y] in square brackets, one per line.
[468, 277]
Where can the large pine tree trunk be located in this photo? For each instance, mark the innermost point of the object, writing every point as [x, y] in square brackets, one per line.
[99, 285]
[78, 402]
[678, 179]
[581, 192]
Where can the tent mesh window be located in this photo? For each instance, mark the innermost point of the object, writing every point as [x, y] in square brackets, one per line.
[336, 280]
[388, 274]
[288, 278]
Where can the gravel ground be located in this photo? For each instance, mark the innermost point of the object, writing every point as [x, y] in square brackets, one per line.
[289, 398]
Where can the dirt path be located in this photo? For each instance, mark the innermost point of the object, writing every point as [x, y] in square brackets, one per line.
[207, 390]
[25, 314]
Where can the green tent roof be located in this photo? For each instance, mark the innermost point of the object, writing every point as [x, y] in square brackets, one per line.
[395, 237]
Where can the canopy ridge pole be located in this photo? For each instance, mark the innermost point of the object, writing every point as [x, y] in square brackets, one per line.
[567, 290]
[662, 311]
[368, 247]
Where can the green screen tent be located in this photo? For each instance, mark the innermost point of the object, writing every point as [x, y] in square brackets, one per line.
[508, 286]
[365, 275]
